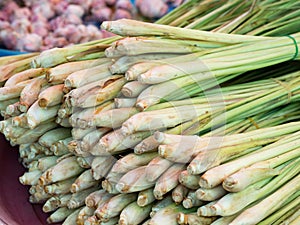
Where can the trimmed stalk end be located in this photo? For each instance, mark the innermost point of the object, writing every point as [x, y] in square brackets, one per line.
[141, 105]
[192, 169]
[181, 218]
[43, 102]
[74, 188]
[187, 203]
[141, 201]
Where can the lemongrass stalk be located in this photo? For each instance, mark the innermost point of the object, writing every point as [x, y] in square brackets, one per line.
[114, 206]
[85, 162]
[254, 192]
[224, 220]
[92, 220]
[10, 92]
[162, 119]
[4, 104]
[245, 108]
[125, 27]
[31, 92]
[269, 204]
[24, 147]
[145, 197]
[149, 144]
[252, 174]
[65, 156]
[101, 166]
[285, 211]
[51, 204]
[37, 115]
[63, 170]
[30, 178]
[194, 219]
[134, 214]
[78, 198]
[133, 89]
[79, 133]
[20, 121]
[90, 139]
[113, 118]
[154, 75]
[10, 69]
[32, 166]
[167, 181]
[167, 215]
[171, 151]
[84, 181]
[64, 111]
[62, 200]
[219, 173]
[156, 168]
[295, 221]
[96, 197]
[111, 221]
[74, 147]
[191, 200]
[210, 194]
[165, 202]
[179, 193]
[122, 64]
[188, 180]
[36, 189]
[60, 215]
[56, 56]
[97, 150]
[72, 218]
[60, 187]
[39, 198]
[59, 73]
[64, 122]
[24, 76]
[33, 135]
[54, 135]
[218, 148]
[292, 218]
[206, 210]
[83, 214]
[51, 96]
[13, 109]
[107, 91]
[13, 58]
[82, 77]
[115, 141]
[80, 118]
[124, 102]
[46, 162]
[5, 123]
[24, 151]
[61, 147]
[134, 71]
[133, 181]
[12, 133]
[78, 92]
[144, 45]
[110, 183]
[132, 161]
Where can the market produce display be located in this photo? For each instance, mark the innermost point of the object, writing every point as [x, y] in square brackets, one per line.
[193, 123]
[37, 25]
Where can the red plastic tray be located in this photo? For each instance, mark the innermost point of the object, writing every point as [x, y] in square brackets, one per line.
[15, 208]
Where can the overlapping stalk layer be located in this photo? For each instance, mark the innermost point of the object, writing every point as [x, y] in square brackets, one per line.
[165, 125]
